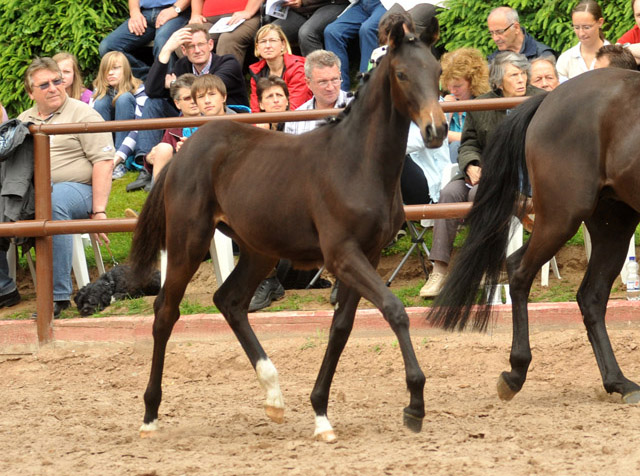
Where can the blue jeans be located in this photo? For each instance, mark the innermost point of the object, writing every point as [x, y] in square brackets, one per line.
[121, 39]
[360, 20]
[6, 283]
[124, 109]
[69, 201]
[154, 108]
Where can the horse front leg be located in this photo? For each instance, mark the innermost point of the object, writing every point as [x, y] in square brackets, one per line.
[341, 327]
[233, 299]
[354, 270]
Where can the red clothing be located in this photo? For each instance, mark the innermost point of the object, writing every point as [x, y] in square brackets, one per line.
[212, 8]
[632, 36]
[293, 75]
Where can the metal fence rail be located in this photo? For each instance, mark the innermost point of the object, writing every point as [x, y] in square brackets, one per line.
[42, 227]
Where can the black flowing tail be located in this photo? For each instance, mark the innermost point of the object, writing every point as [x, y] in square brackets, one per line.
[149, 235]
[499, 198]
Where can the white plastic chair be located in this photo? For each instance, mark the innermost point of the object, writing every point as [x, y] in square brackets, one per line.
[79, 261]
[221, 250]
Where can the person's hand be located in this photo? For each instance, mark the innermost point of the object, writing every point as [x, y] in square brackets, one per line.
[449, 98]
[137, 24]
[474, 172]
[198, 19]
[102, 238]
[165, 15]
[180, 142]
[263, 125]
[293, 3]
[168, 79]
[239, 16]
[178, 38]
[151, 156]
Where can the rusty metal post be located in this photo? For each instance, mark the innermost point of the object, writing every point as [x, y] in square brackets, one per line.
[44, 244]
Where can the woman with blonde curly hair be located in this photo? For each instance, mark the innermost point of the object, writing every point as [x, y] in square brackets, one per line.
[465, 75]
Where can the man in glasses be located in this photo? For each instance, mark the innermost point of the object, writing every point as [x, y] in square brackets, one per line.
[508, 35]
[81, 166]
[322, 73]
[198, 58]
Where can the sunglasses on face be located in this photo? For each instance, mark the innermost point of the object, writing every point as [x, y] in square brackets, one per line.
[45, 86]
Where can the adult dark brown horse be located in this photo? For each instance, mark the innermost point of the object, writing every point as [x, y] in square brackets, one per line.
[330, 196]
[581, 149]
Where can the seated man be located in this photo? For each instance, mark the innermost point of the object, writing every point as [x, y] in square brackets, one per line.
[198, 59]
[150, 20]
[81, 166]
[508, 35]
[543, 73]
[615, 56]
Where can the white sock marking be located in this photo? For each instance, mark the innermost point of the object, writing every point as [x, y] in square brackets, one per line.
[268, 378]
[322, 425]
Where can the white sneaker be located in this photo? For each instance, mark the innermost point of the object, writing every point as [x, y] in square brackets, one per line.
[433, 286]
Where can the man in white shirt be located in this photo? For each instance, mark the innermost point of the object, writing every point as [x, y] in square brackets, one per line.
[322, 72]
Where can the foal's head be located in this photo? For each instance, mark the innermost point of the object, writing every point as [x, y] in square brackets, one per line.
[414, 74]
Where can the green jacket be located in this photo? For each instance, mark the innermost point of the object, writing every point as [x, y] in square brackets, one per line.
[476, 130]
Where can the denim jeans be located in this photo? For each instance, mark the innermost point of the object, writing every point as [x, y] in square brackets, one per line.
[121, 39]
[360, 20]
[154, 108]
[69, 200]
[6, 283]
[124, 109]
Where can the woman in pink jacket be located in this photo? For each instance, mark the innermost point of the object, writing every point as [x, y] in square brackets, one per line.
[273, 49]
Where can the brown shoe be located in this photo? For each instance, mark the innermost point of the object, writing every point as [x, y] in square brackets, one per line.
[433, 286]
[129, 213]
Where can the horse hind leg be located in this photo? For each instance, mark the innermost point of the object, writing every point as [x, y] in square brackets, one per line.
[184, 253]
[611, 228]
[232, 299]
[522, 267]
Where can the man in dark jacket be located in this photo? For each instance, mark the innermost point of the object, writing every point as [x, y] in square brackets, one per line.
[508, 35]
[197, 47]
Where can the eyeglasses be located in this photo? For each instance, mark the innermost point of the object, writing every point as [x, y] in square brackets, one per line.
[265, 41]
[583, 27]
[500, 32]
[45, 86]
[323, 83]
[200, 46]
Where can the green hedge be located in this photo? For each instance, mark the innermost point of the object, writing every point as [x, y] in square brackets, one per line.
[464, 23]
[30, 28]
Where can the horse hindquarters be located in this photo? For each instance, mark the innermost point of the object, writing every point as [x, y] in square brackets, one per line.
[611, 227]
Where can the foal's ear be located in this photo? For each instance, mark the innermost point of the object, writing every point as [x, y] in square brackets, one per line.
[396, 35]
[431, 33]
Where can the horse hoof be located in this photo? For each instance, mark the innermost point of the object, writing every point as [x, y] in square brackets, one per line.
[505, 392]
[275, 414]
[632, 397]
[327, 436]
[412, 422]
[147, 430]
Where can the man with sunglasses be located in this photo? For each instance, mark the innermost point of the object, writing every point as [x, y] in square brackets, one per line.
[81, 166]
[508, 35]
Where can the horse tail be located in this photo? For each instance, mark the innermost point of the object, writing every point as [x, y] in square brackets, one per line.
[504, 177]
[149, 235]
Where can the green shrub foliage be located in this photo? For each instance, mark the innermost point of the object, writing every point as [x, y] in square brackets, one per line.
[30, 28]
[464, 23]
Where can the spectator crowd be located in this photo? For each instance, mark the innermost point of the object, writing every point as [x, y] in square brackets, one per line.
[235, 56]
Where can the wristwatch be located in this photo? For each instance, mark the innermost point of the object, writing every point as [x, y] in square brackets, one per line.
[177, 9]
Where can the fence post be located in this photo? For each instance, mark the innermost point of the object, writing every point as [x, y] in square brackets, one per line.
[44, 244]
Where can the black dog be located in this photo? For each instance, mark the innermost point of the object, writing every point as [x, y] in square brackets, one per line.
[112, 285]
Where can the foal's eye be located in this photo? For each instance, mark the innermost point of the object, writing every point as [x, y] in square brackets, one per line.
[402, 76]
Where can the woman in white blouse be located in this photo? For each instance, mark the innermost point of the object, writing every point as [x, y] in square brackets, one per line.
[587, 23]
